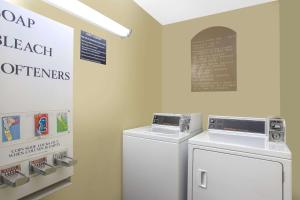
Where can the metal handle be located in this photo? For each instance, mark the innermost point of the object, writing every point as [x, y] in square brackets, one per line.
[65, 161]
[15, 180]
[202, 178]
[45, 170]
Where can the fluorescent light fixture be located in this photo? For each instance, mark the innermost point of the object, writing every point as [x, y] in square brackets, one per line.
[87, 13]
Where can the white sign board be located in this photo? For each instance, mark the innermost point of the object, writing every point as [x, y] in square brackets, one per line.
[36, 85]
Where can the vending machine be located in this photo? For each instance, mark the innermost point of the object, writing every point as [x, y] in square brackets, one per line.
[36, 104]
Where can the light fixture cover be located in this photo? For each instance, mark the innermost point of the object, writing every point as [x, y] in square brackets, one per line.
[89, 14]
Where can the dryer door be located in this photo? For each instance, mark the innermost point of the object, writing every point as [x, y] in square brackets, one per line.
[220, 176]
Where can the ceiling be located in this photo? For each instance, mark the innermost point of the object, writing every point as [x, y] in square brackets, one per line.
[172, 11]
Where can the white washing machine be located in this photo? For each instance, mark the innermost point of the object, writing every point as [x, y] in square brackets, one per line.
[240, 159]
[155, 157]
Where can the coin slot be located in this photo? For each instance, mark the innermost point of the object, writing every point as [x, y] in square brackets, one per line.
[62, 160]
[40, 166]
[13, 177]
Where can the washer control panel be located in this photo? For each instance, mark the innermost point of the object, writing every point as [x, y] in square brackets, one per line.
[184, 123]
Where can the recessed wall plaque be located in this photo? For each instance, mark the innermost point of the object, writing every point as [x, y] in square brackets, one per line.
[214, 60]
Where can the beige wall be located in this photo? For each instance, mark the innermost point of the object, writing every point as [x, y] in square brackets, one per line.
[109, 98]
[257, 64]
[290, 81]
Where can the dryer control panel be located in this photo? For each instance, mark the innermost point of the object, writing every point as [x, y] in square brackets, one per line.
[273, 129]
[247, 125]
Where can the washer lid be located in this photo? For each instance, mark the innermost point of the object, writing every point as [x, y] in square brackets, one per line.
[255, 145]
[159, 134]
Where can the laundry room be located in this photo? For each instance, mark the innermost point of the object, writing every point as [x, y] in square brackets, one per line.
[149, 100]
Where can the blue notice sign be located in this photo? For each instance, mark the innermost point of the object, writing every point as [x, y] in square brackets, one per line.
[92, 48]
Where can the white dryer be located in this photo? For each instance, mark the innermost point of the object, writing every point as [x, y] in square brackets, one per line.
[235, 160]
[155, 158]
